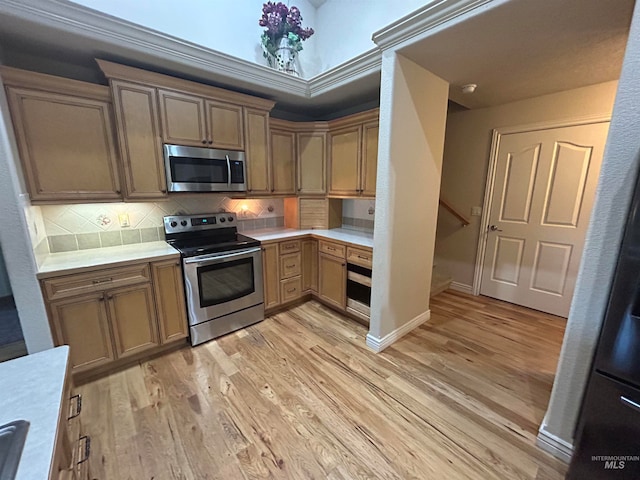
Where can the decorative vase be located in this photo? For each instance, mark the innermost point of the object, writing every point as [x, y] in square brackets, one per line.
[285, 58]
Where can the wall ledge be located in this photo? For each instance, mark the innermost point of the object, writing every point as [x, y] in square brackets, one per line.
[378, 344]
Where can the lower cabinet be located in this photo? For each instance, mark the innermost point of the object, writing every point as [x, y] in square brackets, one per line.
[271, 273]
[332, 284]
[128, 312]
[310, 266]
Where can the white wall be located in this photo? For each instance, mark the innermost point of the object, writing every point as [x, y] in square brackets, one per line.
[230, 27]
[17, 242]
[344, 27]
[467, 147]
[413, 108]
[617, 178]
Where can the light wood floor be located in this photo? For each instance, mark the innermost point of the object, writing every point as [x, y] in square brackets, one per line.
[299, 396]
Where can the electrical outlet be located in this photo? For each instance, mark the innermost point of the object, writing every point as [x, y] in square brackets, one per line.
[123, 218]
[476, 211]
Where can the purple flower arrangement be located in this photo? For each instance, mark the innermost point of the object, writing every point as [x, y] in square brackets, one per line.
[281, 21]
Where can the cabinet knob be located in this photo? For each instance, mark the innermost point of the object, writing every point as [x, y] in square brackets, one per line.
[109, 297]
[163, 191]
[210, 142]
[118, 192]
[204, 142]
[273, 190]
[101, 299]
[299, 189]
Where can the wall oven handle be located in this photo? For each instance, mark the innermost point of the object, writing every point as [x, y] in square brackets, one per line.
[228, 171]
[213, 258]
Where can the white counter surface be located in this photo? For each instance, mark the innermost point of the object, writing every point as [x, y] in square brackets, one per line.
[340, 234]
[76, 261]
[31, 389]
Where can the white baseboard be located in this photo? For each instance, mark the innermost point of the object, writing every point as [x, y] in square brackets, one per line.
[378, 344]
[554, 445]
[461, 287]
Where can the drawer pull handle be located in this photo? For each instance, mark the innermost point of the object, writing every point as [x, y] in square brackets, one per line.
[87, 448]
[104, 280]
[78, 409]
[289, 266]
[630, 403]
[291, 290]
[362, 257]
[331, 248]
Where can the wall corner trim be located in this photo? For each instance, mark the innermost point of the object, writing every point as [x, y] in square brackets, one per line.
[559, 448]
[378, 344]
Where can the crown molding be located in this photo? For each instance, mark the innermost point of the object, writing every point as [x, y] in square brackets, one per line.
[358, 67]
[77, 19]
[422, 20]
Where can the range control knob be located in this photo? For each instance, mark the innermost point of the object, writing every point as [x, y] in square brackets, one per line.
[230, 219]
[183, 223]
[174, 224]
[222, 219]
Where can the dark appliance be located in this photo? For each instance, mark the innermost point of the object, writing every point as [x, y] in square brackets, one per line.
[222, 272]
[197, 169]
[608, 431]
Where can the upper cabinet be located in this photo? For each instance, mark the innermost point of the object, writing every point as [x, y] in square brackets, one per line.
[65, 135]
[312, 161]
[353, 155]
[283, 158]
[224, 122]
[258, 165]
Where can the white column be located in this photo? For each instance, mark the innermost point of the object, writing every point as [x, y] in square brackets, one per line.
[413, 109]
[16, 242]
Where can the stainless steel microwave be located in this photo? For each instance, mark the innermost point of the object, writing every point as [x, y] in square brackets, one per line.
[196, 169]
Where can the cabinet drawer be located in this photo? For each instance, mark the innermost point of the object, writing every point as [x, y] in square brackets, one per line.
[99, 280]
[364, 258]
[334, 249]
[290, 289]
[290, 265]
[289, 247]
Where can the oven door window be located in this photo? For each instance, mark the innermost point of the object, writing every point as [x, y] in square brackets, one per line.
[198, 170]
[223, 282]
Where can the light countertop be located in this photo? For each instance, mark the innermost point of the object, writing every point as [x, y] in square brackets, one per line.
[77, 261]
[31, 389]
[340, 234]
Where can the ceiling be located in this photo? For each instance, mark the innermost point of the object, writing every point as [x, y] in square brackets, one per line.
[518, 49]
[317, 3]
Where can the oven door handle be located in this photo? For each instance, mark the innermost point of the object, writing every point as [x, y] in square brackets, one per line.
[216, 258]
[228, 171]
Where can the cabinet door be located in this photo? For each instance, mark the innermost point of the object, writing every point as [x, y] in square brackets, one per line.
[333, 280]
[258, 165]
[369, 159]
[310, 265]
[311, 160]
[182, 118]
[139, 137]
[225, 126]
[283, 158]
[271, 273]
[82, 323]
[169, 294]
[67, 145]
[133, 319]
[344, 161]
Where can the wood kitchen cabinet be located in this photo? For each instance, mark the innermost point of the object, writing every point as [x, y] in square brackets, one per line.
[109, 315]
[200, 122]
[64, 130]
[353, 155]
[309, 265]
[169, 291]
[311, 162]
[332, 283]
[283, 160]
[258, 158]
[271, 274]
[139, 137]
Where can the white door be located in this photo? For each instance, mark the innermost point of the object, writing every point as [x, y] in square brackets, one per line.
[543, 191]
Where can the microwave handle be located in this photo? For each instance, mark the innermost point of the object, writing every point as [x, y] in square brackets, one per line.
[228, 171]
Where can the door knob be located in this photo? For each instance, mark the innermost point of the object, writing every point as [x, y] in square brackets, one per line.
[494, 228]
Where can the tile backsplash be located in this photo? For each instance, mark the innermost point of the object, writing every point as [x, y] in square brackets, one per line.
[85, 226]
[358, 214]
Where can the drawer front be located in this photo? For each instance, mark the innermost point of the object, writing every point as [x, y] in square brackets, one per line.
[291, 289]
[290, 265]
[334, 249]
[291, 246]
[364, 258]
[97, 281]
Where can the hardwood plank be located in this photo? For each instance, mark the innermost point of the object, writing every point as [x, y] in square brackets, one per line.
[301, 396]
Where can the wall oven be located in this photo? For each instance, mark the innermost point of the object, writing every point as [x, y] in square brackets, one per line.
[196, 169]
[222, 274]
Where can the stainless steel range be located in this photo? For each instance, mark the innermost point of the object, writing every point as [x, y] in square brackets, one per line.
[222, 273]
